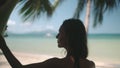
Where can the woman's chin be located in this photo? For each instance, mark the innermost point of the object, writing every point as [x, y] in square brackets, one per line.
[60, 46]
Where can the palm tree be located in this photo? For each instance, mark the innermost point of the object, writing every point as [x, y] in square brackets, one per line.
[30, 9]
[5, 12]
[99, 8]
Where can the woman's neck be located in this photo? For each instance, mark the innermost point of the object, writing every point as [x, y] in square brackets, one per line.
[70, 57]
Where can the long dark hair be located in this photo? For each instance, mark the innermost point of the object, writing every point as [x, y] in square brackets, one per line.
[77, 40]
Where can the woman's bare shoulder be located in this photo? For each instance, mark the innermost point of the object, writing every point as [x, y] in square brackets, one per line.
[52, 60]
[87, 63]
[49, 63]
[92, 64]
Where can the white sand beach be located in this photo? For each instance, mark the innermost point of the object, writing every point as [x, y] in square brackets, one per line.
[27, 58]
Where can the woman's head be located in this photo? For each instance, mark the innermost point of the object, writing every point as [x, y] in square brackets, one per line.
[72, 36]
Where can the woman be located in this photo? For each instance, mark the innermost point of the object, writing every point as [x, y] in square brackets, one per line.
[72, 37]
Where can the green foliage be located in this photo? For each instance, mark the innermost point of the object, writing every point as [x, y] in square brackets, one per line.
[32, 9]
[99, 8]
[79, 8]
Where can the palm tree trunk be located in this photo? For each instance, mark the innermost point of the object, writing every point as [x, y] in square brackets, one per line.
[87, 17]
[5, 11]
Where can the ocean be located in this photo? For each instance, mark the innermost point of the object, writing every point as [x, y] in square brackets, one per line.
[103, 48]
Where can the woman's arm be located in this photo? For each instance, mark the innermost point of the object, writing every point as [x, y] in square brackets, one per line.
[8, 54]
[50, 63]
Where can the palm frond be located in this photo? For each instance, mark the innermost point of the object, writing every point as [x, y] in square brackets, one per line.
[100, 7]
[110, 4]
[32, 9]
[56, 3]
[79, 9]
[98, 18]
[2, 2]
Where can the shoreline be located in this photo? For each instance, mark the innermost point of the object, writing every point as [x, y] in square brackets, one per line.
[25, 58]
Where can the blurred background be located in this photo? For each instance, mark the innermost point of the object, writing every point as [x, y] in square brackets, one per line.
[36, 34]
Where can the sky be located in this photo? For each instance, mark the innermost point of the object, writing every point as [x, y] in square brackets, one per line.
[111, 21]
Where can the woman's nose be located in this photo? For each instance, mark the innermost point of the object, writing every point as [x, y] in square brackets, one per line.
[57, 35]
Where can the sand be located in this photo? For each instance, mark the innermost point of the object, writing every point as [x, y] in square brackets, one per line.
[24, 58]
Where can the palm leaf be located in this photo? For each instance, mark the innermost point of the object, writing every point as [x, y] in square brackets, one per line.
[79, 9]
[2, 2]
[100, 7]
[32, 9]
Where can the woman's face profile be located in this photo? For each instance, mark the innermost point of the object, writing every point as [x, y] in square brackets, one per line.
[62, 40]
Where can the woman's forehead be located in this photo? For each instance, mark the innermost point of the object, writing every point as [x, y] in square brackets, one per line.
[61, 28]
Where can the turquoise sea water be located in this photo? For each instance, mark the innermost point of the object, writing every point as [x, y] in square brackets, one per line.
[102, 48]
